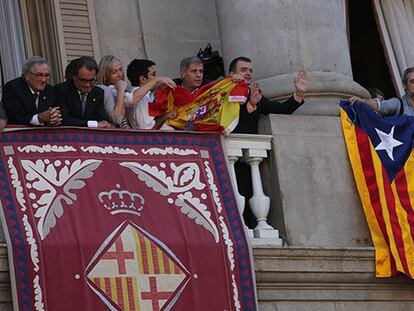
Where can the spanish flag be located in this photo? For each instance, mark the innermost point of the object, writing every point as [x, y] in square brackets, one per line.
[381, 154]
[213, 107]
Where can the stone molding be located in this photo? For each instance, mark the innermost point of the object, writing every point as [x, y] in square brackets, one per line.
[301, 275]
[325, 274]
[320, 83]
[324, 91]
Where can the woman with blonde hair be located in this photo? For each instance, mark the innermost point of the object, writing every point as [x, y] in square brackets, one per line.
[111, 79]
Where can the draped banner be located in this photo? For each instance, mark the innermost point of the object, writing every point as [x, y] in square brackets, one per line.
[381, 154]
[122, 220]
[213, 107]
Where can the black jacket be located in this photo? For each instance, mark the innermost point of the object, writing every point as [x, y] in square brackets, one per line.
[249, 122]
[69, 101]
[19, 103]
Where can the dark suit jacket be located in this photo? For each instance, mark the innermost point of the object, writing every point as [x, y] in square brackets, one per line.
[19, 103]
[68, 99]
[249, 122]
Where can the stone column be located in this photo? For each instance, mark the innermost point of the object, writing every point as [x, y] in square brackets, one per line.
[176, 29]
[120, 30]
[284, 36]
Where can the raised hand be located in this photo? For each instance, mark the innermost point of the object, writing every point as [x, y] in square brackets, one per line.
[301, 81]
[121, 85]
[237, 78]
[255, 94]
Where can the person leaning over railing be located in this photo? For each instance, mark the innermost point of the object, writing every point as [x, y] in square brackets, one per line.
[111, 78]
[394, 106]
[30, 99]
[143, 77]
[80, 100]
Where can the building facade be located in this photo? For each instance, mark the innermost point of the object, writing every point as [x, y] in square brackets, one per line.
[327, 260]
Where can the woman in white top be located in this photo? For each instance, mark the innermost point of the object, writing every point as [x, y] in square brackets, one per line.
[111, 79]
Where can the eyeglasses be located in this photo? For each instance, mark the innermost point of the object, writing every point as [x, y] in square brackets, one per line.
[86, 81]
[39, 75]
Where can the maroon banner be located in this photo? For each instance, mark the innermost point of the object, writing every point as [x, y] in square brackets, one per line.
[122, 220]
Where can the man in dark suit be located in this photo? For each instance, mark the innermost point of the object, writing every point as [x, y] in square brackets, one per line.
[29, 99]
[257, 104]
[80, 101]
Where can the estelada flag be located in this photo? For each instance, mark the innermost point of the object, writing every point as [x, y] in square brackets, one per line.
[213, 107]
[381, 154]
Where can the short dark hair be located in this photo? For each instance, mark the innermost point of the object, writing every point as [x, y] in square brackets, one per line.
[85, 61]
[186, 62]
[69, 69]
[138, 68]
[233, 63]
[405, 74]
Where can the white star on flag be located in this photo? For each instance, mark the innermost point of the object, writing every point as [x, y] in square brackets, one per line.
[388, 143]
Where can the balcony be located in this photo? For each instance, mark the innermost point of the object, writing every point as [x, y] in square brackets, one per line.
[252, 150]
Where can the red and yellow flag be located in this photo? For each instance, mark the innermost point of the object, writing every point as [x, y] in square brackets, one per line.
[213, 107]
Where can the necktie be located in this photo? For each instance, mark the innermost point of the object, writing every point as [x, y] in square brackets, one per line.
[36, 99]
[83, 99]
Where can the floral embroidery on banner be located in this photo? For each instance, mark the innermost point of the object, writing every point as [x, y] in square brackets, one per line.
[185, 178]
[45, 148]
[56, 182]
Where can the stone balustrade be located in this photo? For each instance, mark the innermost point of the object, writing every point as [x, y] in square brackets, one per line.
[252, 150]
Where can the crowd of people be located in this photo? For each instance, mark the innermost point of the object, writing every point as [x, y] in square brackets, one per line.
[97, 96]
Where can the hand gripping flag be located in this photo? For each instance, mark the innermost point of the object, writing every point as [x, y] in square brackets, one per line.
[213, 107]
[381, 154]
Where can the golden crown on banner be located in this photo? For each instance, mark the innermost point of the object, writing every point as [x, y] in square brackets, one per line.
[122, 201]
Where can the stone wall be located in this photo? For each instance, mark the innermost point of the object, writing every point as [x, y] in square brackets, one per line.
[314, 200]
[163, 31]
[329, 279]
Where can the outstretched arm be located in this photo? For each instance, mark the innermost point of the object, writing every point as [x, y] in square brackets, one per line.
[371, 103]
[155, 83]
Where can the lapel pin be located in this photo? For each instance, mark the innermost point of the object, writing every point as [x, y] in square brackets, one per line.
[94, 99]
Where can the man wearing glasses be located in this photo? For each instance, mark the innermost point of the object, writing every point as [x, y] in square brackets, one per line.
[80, 100]
[29, 99]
